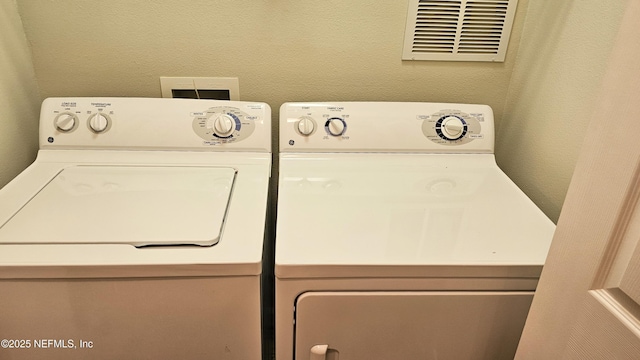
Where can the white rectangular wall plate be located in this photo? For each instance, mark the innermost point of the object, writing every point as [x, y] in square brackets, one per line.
[216, 88]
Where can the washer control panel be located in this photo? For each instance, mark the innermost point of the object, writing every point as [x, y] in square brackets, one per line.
[224, 124]
[386, 127]
[95, 119]
[154, 123]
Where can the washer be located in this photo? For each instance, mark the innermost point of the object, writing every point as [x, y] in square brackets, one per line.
[137, 232]
[398, 237]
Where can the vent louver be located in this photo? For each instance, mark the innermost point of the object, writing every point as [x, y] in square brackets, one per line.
[458, 30]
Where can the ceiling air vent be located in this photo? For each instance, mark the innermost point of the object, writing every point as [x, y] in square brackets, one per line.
[458, 30]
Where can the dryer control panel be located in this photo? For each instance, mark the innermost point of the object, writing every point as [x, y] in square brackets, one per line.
[386, 127]
[155, 123]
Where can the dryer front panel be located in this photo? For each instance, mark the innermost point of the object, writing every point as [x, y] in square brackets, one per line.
[410, 325]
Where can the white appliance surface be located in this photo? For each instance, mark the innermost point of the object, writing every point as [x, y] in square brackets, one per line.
[139, 219]
[386, 207]
[181, 205]
[382, 332]
[150, 179]
[398, 210]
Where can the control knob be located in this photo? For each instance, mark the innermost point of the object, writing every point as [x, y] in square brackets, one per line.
[452, 127]
[65, 122]
[223, 125]
[98, 122]
[306, 126]
[335, 126]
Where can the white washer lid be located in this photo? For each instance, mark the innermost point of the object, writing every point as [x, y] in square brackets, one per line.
[137, 205]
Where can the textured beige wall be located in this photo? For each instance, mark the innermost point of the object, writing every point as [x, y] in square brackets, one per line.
[281, 50]
[561, 60]
[19, 98]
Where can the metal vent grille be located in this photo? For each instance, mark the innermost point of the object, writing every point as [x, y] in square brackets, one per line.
[458, 30]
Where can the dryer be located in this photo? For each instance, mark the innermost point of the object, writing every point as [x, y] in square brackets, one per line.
[138, 232]
[398, 237]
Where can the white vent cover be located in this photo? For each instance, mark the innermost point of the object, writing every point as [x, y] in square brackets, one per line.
[458, 30]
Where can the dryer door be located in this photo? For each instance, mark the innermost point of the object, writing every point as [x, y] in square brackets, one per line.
[409, 325]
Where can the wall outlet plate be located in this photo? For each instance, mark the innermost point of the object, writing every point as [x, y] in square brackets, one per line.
[218, 88]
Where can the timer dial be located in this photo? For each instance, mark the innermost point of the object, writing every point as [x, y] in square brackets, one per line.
[451, 128]
[223, 125]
